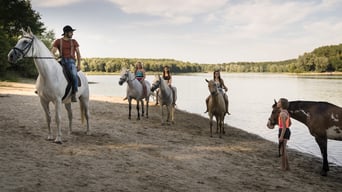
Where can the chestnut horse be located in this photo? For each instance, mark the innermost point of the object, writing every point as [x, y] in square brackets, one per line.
[323, 119]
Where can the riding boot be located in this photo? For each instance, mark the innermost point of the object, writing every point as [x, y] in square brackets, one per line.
[73, 98]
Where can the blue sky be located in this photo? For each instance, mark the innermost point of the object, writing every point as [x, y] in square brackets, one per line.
[201, 31]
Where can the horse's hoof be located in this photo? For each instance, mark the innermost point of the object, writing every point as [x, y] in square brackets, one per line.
[324, 173]
[88, 133]
[58, 142]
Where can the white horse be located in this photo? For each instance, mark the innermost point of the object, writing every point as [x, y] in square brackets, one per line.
[51, 83]
[166, 98]
[135, 91]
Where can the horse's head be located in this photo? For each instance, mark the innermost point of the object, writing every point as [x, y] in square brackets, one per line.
[212, 87]
[124, 76]
[273, 119]
[156, 83]
[23, 48]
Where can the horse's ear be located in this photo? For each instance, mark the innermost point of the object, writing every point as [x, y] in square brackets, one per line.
[23, 31]
[207, 80]
[275, 101]
[29, 30]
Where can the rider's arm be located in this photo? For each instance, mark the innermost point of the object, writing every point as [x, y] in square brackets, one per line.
[78, 55]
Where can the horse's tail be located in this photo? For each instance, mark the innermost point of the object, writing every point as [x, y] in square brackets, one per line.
[82, 112]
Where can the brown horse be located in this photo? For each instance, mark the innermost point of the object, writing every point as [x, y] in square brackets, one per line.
[216, 107]
[323, 119]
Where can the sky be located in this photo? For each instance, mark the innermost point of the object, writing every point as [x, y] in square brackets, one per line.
[197, 31]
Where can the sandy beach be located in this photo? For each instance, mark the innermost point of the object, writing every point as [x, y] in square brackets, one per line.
[140, 155]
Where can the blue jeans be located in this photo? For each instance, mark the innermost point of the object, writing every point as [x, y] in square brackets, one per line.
[70, 65]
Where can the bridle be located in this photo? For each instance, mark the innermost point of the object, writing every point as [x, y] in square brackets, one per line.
[272, 120]
[124, 78]
[156, 84]
[27, 48]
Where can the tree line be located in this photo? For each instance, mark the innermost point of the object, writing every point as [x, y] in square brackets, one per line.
[17, 14]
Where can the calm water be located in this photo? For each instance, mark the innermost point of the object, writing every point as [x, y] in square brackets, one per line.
[251, 97]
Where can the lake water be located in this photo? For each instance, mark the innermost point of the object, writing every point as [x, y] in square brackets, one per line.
[251, 96]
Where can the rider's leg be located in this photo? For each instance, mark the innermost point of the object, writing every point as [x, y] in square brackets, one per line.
[206, 103]
[227, 103]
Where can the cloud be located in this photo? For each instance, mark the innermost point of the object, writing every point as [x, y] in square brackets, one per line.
[53, 3]
[175, 11]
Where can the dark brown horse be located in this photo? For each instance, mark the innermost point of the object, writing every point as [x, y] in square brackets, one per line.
[323, 119]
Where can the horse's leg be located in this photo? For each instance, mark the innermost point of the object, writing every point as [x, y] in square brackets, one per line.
[129, 107]
[142, 108]
[223, 131]
[322, 143]
[147, 103]
[220, 125]
[58, 106]
[84, 106]
[168, 113]
[217, 124]
[138, 103]
[46, 109]
[172, 113]
[162, 113]
[211, 124]
[68, 108]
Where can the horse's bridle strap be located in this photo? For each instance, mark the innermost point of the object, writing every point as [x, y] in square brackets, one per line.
[27, 48]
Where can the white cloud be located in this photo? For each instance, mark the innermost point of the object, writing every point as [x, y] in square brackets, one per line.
[53, 3]
[175, 11]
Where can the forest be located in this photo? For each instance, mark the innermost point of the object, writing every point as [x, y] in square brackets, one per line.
[322, 59]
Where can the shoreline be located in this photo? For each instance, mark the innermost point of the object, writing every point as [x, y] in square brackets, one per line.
[132, 155]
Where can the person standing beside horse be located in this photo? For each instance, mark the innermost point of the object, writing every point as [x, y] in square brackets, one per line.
[68, 52]
[140, 75]
[284, 134]
[220, 84]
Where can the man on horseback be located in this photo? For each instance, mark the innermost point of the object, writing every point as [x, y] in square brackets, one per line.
[68, 52]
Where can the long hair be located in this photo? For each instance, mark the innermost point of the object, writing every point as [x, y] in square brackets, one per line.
[136, 66]
[219, 77]
[168, 72]
[284, 103]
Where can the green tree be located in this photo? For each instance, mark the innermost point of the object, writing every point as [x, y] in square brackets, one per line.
[14, 15]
